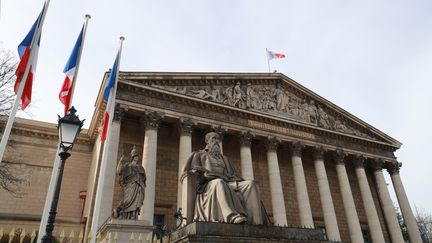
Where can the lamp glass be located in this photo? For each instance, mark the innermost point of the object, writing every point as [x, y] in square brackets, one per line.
[68, 133]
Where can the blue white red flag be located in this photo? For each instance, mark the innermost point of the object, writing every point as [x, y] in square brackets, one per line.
[24, 49]
[70, 71]
[109, 97]
[274, 55]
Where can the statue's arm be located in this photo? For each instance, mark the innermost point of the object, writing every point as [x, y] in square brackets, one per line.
[120, 164]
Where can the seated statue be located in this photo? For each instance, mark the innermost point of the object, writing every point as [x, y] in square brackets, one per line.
[222, 195]
[132, 179]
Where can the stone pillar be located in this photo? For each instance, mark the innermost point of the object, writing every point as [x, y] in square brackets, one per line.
[387, 204]
[245, 139]
[111, 152]
[325, 195]
[368, 202]
[151, 122]
[410, 221]
[347, 198]
[277, 198]
[185, 150]
[300, 185]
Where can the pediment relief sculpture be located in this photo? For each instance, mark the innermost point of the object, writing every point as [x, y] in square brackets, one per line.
[272, 99]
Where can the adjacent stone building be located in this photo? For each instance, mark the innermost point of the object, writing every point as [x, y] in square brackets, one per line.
[317, 165]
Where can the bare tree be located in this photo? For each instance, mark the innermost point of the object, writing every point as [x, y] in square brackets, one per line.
[8, 65]
[9, 179]
[424, 222]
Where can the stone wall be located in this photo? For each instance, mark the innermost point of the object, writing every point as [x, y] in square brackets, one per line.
[31, 155]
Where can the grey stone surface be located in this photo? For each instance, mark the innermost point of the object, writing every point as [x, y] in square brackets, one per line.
[132, 179]
[220, 232]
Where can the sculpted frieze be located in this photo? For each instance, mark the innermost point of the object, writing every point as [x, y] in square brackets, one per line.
[272, 99]
[141, 98]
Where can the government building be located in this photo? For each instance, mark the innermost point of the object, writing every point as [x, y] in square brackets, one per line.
[317, 166]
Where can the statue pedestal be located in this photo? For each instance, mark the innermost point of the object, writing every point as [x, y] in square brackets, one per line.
[118, 230]
[233, 233]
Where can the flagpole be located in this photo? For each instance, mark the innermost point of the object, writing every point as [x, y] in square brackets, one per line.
[87, 17]
[11, 119]
[54, 172]
[104, 161]
[268, 61]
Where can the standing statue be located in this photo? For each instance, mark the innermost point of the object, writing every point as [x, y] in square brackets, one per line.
[132, 179]
[222, 195]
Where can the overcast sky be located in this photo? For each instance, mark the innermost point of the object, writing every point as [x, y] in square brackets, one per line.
[372, 58]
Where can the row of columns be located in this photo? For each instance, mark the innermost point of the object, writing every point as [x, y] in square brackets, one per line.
[277, 198]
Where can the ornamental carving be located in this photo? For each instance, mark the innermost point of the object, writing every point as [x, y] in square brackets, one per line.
[393, 168]
[318, 153]
[273, 99]
[151, 120]
[245, 138]
[296, 149]
[272, 143]
[339, 156]
[377, 165]
[186, 126]
[359, 161]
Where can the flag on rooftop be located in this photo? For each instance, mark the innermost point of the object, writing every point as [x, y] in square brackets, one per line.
[70, 69]
[24, 49]
[274, 55]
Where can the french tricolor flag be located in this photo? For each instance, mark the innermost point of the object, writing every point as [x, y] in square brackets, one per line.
[70, 69]
[24, 49]
[109, 96]
[274, 55]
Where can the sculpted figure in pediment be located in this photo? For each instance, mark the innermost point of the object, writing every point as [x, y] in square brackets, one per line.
[269, 98]
[252, 98]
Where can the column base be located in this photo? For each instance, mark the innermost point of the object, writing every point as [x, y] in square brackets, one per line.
[235, 233]
[123, 229]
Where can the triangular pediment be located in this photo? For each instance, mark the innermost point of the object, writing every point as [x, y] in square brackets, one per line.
[270, 94]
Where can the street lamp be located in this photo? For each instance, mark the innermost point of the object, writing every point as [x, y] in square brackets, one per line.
[69, 127]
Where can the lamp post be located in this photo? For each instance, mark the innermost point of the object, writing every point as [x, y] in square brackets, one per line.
[69, 127]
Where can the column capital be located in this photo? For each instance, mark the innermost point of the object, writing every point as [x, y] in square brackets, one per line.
[393, 168]
[377, 165]
[219, 130]
[359, 161]
[272, 143]
[296, 148]
[245, 138]
[339, 156]
[186, 126]
[318, 152]
[119, 112]
[151, 120]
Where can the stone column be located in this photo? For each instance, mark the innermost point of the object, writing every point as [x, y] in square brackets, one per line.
[325, 195]
[245, 139]
[185, 150]
[387, 204]
[300, 185]
[108, 181]
[410, 221]
[368, 202]
[347, 198]
[151, 122]
[277, 198]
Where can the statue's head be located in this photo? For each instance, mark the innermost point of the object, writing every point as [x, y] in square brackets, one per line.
[134, 155]
[213, 142]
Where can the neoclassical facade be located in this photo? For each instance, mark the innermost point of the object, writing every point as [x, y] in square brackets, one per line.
[317, 165]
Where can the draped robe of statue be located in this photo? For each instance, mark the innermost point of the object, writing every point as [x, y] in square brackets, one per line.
[132, 180]
[222, 195]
